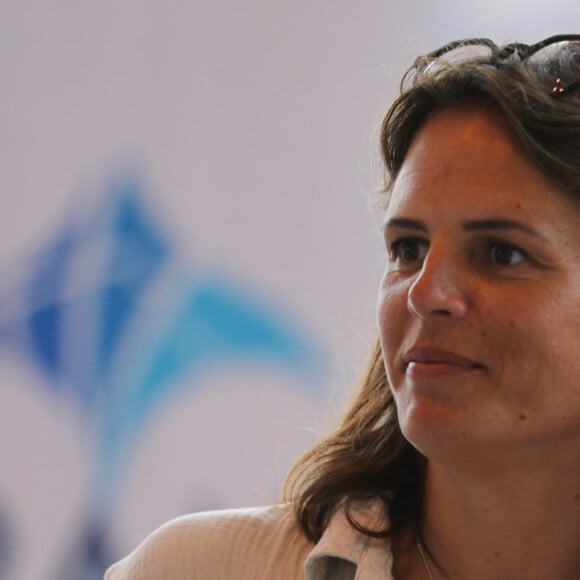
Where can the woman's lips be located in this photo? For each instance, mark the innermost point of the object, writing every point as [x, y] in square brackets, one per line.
[430, 363]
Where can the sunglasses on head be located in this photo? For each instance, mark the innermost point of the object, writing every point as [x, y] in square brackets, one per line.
[559, 56]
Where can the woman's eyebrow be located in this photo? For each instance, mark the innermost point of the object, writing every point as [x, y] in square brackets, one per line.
[502, 224]
[405, 223]
[469, 226]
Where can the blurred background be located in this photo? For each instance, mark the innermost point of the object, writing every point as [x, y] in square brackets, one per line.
[188, 263]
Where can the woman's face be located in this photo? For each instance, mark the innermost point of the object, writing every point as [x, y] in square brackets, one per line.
[479, 307]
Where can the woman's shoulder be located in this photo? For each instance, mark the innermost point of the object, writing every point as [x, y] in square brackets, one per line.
[240, 543]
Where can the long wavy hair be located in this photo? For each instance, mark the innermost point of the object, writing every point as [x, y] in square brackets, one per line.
[367, 456]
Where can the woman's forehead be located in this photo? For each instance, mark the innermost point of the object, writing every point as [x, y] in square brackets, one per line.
[468, 157]
[454, 142]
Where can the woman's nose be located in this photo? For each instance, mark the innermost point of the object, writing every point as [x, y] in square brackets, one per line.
[440, 289]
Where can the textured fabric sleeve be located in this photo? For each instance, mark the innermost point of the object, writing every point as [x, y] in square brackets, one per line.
[262, 543]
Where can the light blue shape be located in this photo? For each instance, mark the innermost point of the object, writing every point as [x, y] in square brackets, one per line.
[138, 248]
[210, 322]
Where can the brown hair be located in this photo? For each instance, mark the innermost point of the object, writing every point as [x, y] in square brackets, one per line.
[368, 456]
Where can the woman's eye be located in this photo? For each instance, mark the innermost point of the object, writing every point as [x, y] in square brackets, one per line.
[408, 250]
[503, 254]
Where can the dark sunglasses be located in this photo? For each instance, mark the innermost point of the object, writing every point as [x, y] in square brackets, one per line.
[559, 56]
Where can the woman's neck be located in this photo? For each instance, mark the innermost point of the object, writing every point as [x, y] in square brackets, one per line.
[504, 523]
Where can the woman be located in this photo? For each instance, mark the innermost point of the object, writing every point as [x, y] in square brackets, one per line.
[458, 457]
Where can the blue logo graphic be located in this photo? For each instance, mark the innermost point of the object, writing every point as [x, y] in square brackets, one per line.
[112, 317]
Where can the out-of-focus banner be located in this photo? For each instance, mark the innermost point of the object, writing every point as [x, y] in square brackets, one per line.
[116, 326]
[187, 263]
